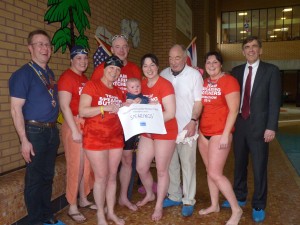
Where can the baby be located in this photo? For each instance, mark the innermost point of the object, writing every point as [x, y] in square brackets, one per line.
[134, 94]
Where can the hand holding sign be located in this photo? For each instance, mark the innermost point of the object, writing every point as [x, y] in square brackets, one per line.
[142, 118]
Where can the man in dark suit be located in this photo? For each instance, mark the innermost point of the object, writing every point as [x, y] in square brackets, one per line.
[256, 124]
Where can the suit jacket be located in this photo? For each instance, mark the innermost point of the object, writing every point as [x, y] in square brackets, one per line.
[265, 98]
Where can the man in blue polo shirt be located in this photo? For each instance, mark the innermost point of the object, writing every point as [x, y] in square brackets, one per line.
[34, 109]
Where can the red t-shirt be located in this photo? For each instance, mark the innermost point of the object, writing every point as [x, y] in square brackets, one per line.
[72, 82]
[161, 89]
[103, 133]
[129, 71]
[215, 109]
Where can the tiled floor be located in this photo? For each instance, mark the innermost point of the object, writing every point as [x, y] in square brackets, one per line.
[283, 206]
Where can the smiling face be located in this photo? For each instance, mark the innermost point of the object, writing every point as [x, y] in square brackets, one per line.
[252, 51]
[213, 66]
[111, 73]
[79, 63]
[120, 48]
[134, 87]
[150, 69]
[40, 49]
[177, 58]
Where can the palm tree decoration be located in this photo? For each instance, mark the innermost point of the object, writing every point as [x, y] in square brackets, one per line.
[70, 13]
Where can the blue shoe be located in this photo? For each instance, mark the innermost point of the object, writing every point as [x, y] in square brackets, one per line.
[226, 204]
[54, 222]
[187, 210]
[168, 203]
[258, 215]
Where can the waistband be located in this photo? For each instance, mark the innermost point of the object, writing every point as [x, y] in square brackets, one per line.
[240, 115]
[40, 124]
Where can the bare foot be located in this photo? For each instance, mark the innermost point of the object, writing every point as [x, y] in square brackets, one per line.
[157, 215]
[146, 200]
[115, 219]
[128, 204]
[77, 217]
[211, 209]
[84, 203]
[235, 217]
[102, 222]
[90, 205]
[101, 219]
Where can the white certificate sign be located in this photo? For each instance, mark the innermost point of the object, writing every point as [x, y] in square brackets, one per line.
[141, 118]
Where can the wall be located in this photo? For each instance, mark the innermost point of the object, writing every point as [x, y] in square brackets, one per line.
[164, 29]
[200, 27]
[165, 32]
[18, 18]
[289, 79]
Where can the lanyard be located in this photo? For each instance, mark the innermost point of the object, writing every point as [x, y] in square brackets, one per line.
[50, 87]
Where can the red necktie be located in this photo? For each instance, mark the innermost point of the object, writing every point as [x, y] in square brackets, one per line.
[246, 100]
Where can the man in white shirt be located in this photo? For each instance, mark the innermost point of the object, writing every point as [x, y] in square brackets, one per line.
[187, 83]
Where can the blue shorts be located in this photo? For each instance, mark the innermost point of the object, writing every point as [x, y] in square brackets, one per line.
[131, 143]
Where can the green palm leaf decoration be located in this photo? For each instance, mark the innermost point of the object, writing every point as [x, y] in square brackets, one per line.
[71, 14]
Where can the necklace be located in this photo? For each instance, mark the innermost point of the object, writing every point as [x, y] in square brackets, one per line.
[213, 82]
[49, 85]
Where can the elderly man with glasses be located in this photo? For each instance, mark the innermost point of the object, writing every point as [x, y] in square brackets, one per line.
[120, 48]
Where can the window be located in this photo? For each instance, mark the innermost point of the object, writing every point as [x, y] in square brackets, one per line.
[271, 35]
[243, 25]
[272, 24]
[263, 19]
[296, 23]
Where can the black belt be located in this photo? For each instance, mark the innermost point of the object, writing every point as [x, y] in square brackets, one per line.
[40, 124]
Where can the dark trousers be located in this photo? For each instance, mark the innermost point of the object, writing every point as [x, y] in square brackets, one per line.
[40, 172]
[245, 144]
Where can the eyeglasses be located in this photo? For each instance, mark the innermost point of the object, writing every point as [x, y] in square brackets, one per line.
[41, 45]
[79, 51]
[119, 36]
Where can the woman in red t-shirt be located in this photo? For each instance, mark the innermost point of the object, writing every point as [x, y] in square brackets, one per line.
[220, 102]
[103, 135]
[79, 173]
[162, 147]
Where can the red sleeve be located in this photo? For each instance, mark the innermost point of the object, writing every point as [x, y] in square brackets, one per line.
[232, 85]
[98, 72]
[88, 88]
[65, 81]
[166, 88]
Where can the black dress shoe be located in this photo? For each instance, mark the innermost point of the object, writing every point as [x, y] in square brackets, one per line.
[51, 221]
